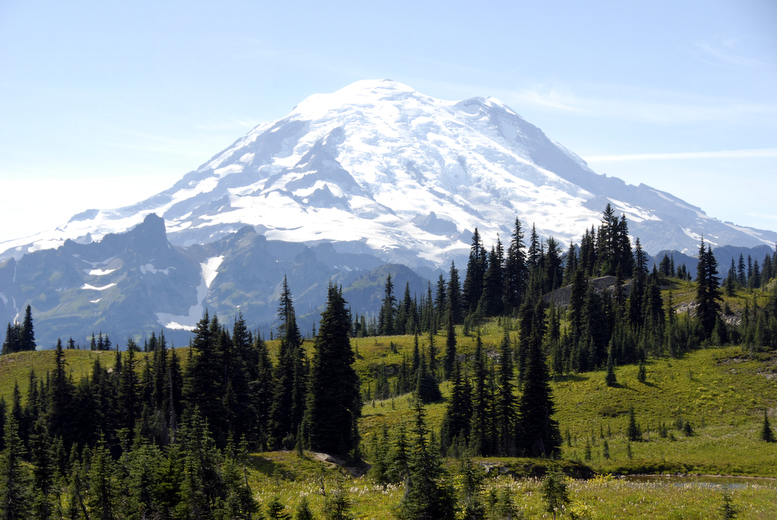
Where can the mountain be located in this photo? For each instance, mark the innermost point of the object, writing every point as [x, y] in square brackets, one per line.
[379, 168]
[373, 174]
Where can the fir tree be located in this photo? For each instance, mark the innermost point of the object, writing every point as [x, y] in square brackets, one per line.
[539, 433]
[454, 295]
[27, 336]
[427, 495]
[506, 415]
[14, 481]
[387, 310]
[334, 403]
[476, 269]
[515, 269]
[767, 435]
[555, 493]
[707, 290]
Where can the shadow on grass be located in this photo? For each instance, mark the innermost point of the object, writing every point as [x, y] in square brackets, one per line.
[566, 378]
[270, 468]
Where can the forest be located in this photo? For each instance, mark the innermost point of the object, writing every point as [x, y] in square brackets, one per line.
[160, 432]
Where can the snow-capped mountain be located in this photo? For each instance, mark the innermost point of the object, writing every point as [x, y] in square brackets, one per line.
[379, 168]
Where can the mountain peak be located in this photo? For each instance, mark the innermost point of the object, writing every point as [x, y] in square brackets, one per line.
[404, 175]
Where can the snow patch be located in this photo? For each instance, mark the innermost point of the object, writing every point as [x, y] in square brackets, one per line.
[93, 288]
[95, 301]
[189, 321]
[5, 300]
[210, 269]
[99, 272]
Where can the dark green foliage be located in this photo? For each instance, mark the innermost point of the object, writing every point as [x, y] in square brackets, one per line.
[515, 270]
[387, 310]
[337, 503]
[456, 423]
[707, 290]
[506, 417]
[555, 493]
[427, 495]
[476, 270]
[633, 431]
[289, 393]
[727, 509]
[14, 479]
[539, 433]
[427, 390]
[276, 509]
[767, 435]
[470, 503]
[303, 510]
[333, 404]
[610, 378]
[454, 295]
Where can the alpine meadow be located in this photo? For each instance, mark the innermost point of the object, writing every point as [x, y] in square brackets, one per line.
[385, 305]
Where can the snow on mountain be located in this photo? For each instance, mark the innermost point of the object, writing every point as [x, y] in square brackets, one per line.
[378, 167]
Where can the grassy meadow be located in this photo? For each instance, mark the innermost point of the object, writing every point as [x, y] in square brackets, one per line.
[721, 392]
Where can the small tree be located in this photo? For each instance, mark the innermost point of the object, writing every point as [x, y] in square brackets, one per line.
[633, 432]
[276, 510]
[555, 492]
[767, 435]
[727, 509]
[303, 510]
[610, 378]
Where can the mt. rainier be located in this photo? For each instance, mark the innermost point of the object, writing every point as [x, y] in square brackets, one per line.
[379, 168]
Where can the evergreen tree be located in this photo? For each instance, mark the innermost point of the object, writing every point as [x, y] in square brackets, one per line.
[539, 433]
[767, 435]
[450, 347]
[27, 336]
[204, 387]
[334, 403]
[14, 481]
[476, 270]
[454, 295]
[555, 493]
[494, 281]
[427, 495]
[387, 310]
[633, 431]
[506, 414]
[456, 422]
[707, 290]
[426, 390]
[515, 269]
[610, 378]
[288, 405]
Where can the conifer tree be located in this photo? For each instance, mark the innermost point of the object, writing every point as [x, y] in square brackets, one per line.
[27, 337]
[289, 394]
[427, 495]
[387, 312]
[493, 283]
[516, 272]
[454, 295]
[450, 347]
[476, 270]
[539, 433]
[204, 378]
[767, 435]
[707, 290]
[14, 481]
[506, 413]
[334, 403]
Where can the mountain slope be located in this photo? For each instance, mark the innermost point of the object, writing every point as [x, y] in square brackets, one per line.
[379, 168]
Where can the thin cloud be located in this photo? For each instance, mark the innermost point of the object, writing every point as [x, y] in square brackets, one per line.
[722, 154]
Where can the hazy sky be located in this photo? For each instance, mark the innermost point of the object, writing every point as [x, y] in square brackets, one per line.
[103, 104]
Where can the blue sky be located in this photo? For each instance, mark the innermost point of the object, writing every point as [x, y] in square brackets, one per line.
[103, 104]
